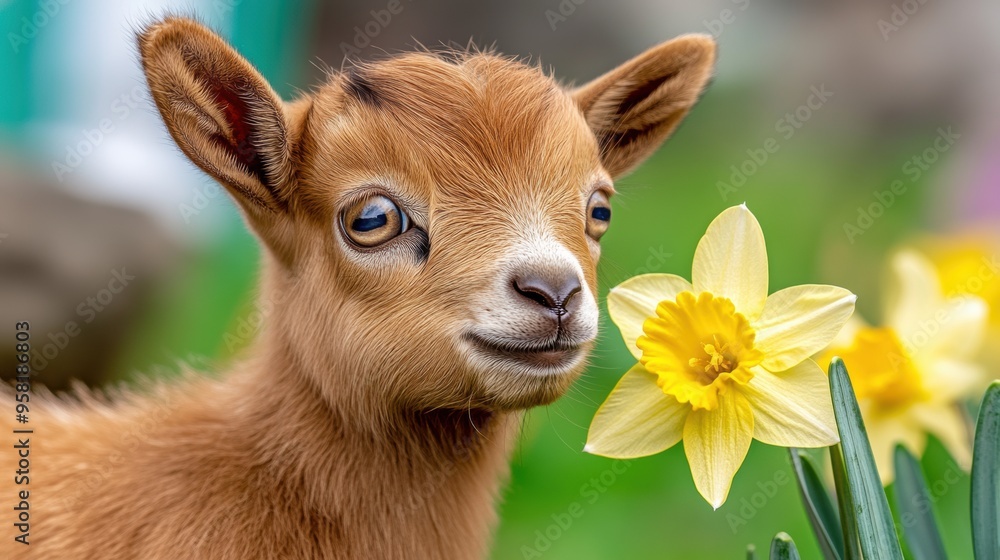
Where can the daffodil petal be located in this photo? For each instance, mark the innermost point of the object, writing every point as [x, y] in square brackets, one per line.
[731, 261]
[948, 380]
[947, 424]
[637, 419]
[792, 408]
[799, 321]
[956, 330]
[885, 431]
[716, 442]
[634, 300]
[913, 295]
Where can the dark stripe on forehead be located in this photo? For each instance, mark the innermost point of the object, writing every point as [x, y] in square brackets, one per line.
[358, 84]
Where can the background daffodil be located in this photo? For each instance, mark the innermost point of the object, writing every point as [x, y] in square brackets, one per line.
[969, 264]
[910, 373]
[720, 361]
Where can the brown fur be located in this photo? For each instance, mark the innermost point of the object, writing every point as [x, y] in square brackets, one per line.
[361, 425]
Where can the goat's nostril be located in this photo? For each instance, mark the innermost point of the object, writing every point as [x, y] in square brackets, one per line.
[569, 296]
[535, 293]
[555, 293]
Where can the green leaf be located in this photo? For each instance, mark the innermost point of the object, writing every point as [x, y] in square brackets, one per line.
[822, 515]
[986, 478]
[849, 522]
[782, 548]
[913, 501]
[751, 552]
[876, 532]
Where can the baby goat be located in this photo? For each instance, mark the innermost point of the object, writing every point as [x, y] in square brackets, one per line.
[430, 229]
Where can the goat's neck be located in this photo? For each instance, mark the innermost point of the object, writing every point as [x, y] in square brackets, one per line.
[438, 470]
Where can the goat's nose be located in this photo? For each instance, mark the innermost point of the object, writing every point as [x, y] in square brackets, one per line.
[552, 290]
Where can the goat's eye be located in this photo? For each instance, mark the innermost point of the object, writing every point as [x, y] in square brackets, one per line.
[374, 220]
[598, 214]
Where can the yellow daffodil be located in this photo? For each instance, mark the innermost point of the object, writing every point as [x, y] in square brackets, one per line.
[969, 264]
[909, 373]
[720, 361]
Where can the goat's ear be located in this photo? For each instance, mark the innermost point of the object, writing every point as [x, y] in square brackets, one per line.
[633, 108]
[221, 112]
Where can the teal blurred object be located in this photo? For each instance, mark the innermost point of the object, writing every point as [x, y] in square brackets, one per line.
[271, 35]
[15, 70]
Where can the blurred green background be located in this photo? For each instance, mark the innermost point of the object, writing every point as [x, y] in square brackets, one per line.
[132, 201]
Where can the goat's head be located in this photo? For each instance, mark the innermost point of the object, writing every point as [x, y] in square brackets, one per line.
[432, 221]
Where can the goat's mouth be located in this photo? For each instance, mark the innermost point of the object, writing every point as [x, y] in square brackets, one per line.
[546, 357]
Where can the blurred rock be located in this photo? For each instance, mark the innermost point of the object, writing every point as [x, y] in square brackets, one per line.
[81, 273]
